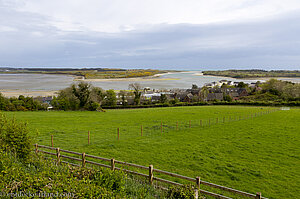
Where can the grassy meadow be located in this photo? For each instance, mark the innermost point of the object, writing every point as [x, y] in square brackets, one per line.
[259, 154]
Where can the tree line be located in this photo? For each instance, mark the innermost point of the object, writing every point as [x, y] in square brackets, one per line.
[21, 103]
[84, 96]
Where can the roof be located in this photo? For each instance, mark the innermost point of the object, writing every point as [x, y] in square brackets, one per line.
[234, 94]
[190, 95]
[214, 96]
[181, 95]
[155, 98]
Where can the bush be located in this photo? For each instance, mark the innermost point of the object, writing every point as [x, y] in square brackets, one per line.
[41, 176]
[113, 180]
[14, 137]
[181, 192]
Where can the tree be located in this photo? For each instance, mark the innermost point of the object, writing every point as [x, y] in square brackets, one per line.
[203, 93]
[3, 102]
[224, 85]
[82, 92]
[242, 85]
[227, 98]
[123, 94]
[163, 98]
[194, 86]
[136, 87]
[66, 100]
[97, 95]
[111, 98]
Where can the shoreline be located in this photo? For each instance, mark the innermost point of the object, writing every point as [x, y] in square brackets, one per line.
[125, 80]
[155, 77]
[27, 93]
[251, 78]
[161, 79]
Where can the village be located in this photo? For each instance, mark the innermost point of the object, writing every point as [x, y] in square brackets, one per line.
[215, 91]
[209, 92]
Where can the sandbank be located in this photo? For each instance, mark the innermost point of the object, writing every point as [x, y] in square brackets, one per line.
[29, 93]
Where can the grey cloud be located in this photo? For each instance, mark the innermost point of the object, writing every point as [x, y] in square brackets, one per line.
[271, 43]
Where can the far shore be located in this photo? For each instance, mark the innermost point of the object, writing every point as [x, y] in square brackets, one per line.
[148, 78]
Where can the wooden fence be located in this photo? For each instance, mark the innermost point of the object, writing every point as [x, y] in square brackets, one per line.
[163, 126]
[112, 165]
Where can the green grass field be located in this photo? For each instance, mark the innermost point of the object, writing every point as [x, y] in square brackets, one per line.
[251, 154]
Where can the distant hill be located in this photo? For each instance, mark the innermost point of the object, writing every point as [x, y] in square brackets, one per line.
[254, 73]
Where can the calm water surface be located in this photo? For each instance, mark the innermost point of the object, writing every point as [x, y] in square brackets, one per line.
[43, 82]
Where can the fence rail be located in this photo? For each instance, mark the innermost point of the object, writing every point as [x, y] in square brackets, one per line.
[151, 177]
[166, 126]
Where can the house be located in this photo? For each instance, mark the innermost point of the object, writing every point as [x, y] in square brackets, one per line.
[257, 88]
[243, 92]
[219, 93]
[235, 93]
[236, 83]
[214, 96]
[223, 81]
[215, 90]
[46, 100]
[194, 91]
[129, 100]
[155, 98]
[188, 98]
[208, 85]
[183, 96]
[252, 85]
[230, 83]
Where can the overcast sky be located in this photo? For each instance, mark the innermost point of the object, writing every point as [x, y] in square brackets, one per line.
[165, 34]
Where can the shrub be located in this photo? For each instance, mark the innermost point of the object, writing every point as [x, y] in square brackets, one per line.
[14, 137]
[181, 192]
[113, 180]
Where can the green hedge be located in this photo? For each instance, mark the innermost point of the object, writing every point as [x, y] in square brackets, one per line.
[251, 103]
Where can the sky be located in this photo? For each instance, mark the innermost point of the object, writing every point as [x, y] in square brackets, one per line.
[157, 34]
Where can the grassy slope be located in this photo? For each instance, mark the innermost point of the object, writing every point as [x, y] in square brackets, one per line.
[260, 154]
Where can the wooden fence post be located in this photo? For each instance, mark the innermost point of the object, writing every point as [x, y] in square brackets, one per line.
[258, 195]
[161, 127]
[217, 120]
[190, 123]
[88, 137]
[36, 148]
[197, 191]
[52, 140]
[141, 130]
[58, 155]
[118, 133]
[112, 166]
[83, 159]
[151, 174]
